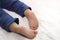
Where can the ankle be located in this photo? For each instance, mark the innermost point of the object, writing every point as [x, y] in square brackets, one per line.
[13, 27]
[16, 28]
[27, 12]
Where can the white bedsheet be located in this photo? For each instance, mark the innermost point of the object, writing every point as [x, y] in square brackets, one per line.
[48, 15]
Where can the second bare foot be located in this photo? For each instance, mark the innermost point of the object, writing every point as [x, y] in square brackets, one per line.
[22, 30]
[33, 22]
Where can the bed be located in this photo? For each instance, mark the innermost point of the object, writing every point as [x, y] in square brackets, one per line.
[48, 15]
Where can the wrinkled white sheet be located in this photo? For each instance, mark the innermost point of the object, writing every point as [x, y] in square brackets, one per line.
[48, 15]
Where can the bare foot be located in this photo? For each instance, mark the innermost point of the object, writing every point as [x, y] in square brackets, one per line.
[33, 22]
[22, 30]
[27, 32]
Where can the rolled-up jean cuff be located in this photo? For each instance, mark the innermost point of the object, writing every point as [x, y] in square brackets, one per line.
[9, 22]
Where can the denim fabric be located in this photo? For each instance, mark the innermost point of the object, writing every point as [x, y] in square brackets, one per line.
[11, 5]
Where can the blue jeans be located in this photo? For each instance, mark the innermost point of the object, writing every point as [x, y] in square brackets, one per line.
[11, 5]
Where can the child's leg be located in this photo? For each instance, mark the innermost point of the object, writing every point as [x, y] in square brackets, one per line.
[22, 30]
[32, 19]
[29, 33]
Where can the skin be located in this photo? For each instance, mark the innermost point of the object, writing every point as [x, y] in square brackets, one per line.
[33, 23]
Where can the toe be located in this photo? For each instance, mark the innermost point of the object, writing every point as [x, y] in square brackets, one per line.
[33, 27]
